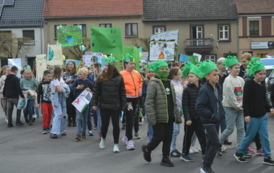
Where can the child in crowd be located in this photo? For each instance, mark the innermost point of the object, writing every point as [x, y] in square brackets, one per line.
[12, 92]
[209, 107]
[4, 72]
[44, 91]
[59, 92]
[162, 111]
[81, 84]
[193, 121]
[175, 76]
[255, 106]
[233, 100]
[29, 87]
[109, 94]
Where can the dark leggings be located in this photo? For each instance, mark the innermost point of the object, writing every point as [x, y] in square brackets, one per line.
[115, 116]
[70, 108]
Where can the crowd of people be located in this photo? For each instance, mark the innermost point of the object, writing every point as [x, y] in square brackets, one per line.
[207, 96]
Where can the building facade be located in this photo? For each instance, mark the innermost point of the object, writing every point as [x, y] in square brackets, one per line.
[23, 19]
[256, 27]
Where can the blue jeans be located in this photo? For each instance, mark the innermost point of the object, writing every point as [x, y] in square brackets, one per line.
[59, 114]
[176, 131]
[233, 117]
[81, 121]
[37, 112]
[28, 111]
[256, 125]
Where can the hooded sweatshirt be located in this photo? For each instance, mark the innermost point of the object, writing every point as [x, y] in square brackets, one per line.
[12, 87]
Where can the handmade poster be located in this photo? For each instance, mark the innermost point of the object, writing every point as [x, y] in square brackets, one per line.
[55, 55]
[199, 56]
[183, 58]
[22, 103]
[82, 101]
[16, 62]
[145, 56]
[106, 40]
[162, 50]
[167, 36]
[87, 59]
[69, 35]
[41, 66]
[41, 56]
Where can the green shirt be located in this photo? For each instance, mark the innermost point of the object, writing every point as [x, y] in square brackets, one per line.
[28, 84]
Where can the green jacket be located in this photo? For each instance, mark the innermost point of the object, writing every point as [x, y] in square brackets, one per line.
[156, 103]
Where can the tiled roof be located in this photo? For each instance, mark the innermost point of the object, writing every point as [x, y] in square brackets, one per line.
[92, 8]
[255, 6]
[165, 10]
[24, 13]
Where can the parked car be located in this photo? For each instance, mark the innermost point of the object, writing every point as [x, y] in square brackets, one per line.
[269, 80]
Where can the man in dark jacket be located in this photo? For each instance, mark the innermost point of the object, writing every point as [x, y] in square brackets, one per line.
[12, 91]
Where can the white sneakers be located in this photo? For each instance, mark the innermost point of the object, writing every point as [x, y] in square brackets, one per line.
[193, 150]
[102, 143]
[116, 148]
[125, 140]
[130, 145]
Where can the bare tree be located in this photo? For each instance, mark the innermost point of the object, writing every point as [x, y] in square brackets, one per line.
[12, 46]
[141, 42]
[74, 52]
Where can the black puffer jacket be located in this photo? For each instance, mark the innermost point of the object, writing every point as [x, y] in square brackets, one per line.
[189, 102]
[110, 95]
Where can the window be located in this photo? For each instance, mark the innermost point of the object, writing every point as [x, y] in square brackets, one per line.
[224, 32]
[262, 55]
[56, 27]
[131, 30]
[254, 28]
[158, 29]
[84, 29]
[210, 58]
[5, 31]
[28, 37]
[105, 25]
[230, 54]
[197, 35]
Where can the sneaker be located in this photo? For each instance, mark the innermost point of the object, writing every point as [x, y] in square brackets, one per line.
[130, 145]
[146, 154]
[166, 162]
[223, 148]
[53, 136]
[19, 123]
[48, 130]
[6, 120]
[64, 134]
[33, 119]
[116, 148]
[45, 131]
[195, 150]
[186, 158]
[259, 152]
[250, 150]
[240, 157]
[124, 139]
[136, 136]
[10, 125]
[226, 142]
[175, 153]
[268, 161]
[102, 144]
[34, 116]
[90, 133]
[247, 155]
[191, 151]
[206, 170]
[78, 137]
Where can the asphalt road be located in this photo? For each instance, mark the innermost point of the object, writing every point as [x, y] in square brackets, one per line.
[26, 150]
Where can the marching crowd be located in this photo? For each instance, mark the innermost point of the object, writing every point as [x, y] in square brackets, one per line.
[206, 95]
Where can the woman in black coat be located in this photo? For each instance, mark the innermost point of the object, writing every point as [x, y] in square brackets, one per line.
[109, 95]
